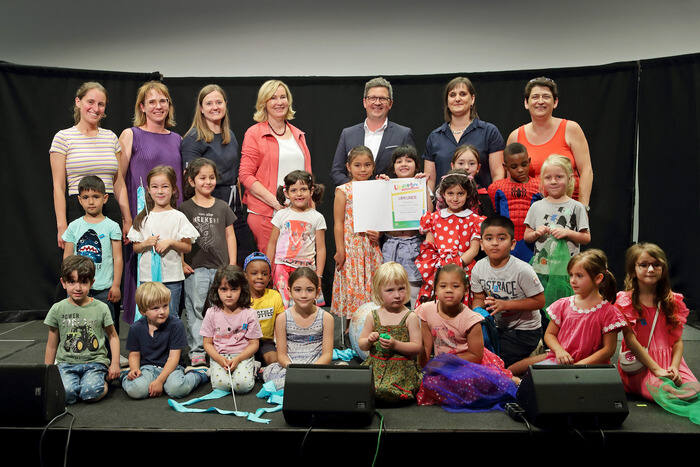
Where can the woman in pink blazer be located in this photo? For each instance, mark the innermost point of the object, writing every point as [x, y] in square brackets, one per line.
[271, 149]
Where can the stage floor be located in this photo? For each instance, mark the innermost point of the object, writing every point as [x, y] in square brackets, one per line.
[25, 343]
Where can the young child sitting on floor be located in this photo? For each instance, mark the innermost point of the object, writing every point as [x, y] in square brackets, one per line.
[155, 345]
[77, 328]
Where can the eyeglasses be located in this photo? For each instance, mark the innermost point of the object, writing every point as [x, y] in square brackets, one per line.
[647, 265]
[154, 102]
[378, 99]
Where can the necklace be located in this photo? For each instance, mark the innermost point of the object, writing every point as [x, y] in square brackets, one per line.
[278, 134]
[459, 132]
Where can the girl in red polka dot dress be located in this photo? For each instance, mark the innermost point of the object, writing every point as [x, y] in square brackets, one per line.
[453, 233]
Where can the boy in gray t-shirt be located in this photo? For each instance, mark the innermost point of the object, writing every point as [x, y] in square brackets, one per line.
[509, 289]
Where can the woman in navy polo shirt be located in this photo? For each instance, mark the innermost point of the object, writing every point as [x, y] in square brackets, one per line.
[462, 126]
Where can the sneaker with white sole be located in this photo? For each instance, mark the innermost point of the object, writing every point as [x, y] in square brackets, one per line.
[203, 372]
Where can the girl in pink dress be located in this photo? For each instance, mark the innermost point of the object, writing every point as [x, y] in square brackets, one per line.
[357, 254]
[452, 233]
[648, 286]
[583, 328]
[463, 373]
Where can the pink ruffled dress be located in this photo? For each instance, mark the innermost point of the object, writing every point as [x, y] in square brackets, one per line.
[661, 346]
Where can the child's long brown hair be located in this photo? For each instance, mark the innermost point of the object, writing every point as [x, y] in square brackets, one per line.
[663, 293]
[172, 178]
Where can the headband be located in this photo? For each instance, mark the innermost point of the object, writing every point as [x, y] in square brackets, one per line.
[257, 256]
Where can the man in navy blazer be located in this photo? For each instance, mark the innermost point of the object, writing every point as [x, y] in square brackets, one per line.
[376, 132]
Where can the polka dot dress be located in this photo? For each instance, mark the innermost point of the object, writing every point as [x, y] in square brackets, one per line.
[453, 233]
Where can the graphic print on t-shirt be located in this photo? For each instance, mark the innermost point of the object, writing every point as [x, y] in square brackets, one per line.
[296, 233]
[562, 217]
[204, 222]
[89, 245]
[80, 335]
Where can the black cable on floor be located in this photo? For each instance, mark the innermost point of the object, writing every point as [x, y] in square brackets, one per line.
[43, 433]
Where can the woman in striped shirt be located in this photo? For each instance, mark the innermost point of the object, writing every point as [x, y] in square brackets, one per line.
[86, 149]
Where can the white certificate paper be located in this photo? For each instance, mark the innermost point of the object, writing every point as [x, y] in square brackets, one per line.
[386, 205]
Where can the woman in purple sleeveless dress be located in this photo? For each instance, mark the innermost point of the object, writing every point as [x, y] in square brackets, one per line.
[145, 145]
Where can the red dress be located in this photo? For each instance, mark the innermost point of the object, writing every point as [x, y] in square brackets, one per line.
[661, 346]
[581, 331]
[453, 232]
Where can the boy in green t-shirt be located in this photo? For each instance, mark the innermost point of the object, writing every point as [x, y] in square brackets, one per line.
[77, 328]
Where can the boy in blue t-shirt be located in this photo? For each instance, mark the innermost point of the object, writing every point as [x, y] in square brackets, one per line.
[77, 329]
[155, 345]
[99, 238]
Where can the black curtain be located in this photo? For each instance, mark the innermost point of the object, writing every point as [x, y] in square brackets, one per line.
[669, 166]
[602, 99]
[36, 103]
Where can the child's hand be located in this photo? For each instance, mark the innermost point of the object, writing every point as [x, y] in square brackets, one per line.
[563, 357]
[151, 241]
[559, 233]
[494, 305]
[133, 374]
[383, 177]
[187, 269]
[339, 259]
[113, 372]
[541, 231]
[163, 245]
[387, 344]
[373, 236]
[420, 175]
[675, 376]
[155, 389]
[114, 294]
[373, 337]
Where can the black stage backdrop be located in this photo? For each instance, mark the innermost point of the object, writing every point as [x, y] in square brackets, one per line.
[602, 99]
[669, 166]
[35, 103]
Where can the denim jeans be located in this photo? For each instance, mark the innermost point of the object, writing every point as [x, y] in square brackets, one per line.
[84, 381]
[177, 385]
[196, 289]
[175, 292]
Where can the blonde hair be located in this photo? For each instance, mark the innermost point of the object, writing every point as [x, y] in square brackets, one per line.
[151, 294]
[388, 273]
[265, 93]
[80, 93]
[556, 160]
[199, 122]
[140, 115]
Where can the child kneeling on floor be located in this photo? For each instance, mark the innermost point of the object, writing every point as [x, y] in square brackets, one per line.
[77, 328]
[155, 345]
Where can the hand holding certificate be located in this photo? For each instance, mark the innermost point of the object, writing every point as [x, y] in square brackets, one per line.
[386, 205]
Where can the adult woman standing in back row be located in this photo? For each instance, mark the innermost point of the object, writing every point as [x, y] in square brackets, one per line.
[86, 149]
[271, 149]
[462, 126]
[210, 137]
[145, 145]
[546, 135]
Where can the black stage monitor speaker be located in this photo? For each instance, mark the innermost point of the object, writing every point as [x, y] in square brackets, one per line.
[328, 395]
[574, 395]
[31, 394]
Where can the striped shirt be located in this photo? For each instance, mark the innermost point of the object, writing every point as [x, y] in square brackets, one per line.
[88, 155]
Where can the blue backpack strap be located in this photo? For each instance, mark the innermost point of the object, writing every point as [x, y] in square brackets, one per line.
[489, 331]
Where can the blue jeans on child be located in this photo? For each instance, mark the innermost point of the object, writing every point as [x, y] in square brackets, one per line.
[84, 381]
[178, 384]
[196, 289]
